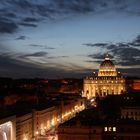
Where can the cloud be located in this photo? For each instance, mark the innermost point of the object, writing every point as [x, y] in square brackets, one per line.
[30, 19]
[125, 54]
[36, 45]
[95, 45]
[7, 26]
[55, 9]
[22, 37]
[76, 6]
[97, 58]
[129, 56]
[55, 57]
[28, 24]
[9, 15]
[135, 42]
[36, 54]
[15, 68]
[11, 67]
[95, 61]
[41, 46]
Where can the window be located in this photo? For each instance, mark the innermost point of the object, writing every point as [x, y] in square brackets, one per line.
[109, 129]
[114, 129]
[105, 129]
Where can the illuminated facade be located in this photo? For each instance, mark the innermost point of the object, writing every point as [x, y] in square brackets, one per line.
[8, 128]
[106, 82]
[35, 124]
[24, 128]
[47, 119]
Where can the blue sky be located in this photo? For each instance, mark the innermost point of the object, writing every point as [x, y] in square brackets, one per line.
[60, 38]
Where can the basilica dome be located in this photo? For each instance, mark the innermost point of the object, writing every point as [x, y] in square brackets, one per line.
[107, 64]
[107, 68]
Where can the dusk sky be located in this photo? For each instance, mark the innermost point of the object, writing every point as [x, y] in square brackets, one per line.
[68, 38]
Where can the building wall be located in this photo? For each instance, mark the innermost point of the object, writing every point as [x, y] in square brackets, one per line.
[44, 120]
[118, 132]
[79, 133]
[128, 132]
[24, 127]
[103, 86]
[130, 113]
[38, 122]
[69, 110]
[8, 128]
[47, 119]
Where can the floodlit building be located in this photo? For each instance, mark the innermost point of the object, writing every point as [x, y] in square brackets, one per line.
[89, 125]
[82, 127]
[8, 128]
[34, 124]
[24, 127]
[105, 82]
[130, 112]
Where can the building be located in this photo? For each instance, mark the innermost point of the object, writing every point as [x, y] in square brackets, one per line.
[82, 127]
[89, 125]
[132, 112]
[24, 127]
[123, 130]
[80, 132]
[8, 128]
[34, 124]
[106, 81]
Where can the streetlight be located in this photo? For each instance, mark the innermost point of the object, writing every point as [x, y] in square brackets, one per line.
[37, 133]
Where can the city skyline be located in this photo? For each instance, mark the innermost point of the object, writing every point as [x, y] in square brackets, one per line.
[60, 38]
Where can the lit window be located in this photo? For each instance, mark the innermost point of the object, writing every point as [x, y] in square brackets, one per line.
[114, 129]
[105, 129]
[37, 132]
[109, 129]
